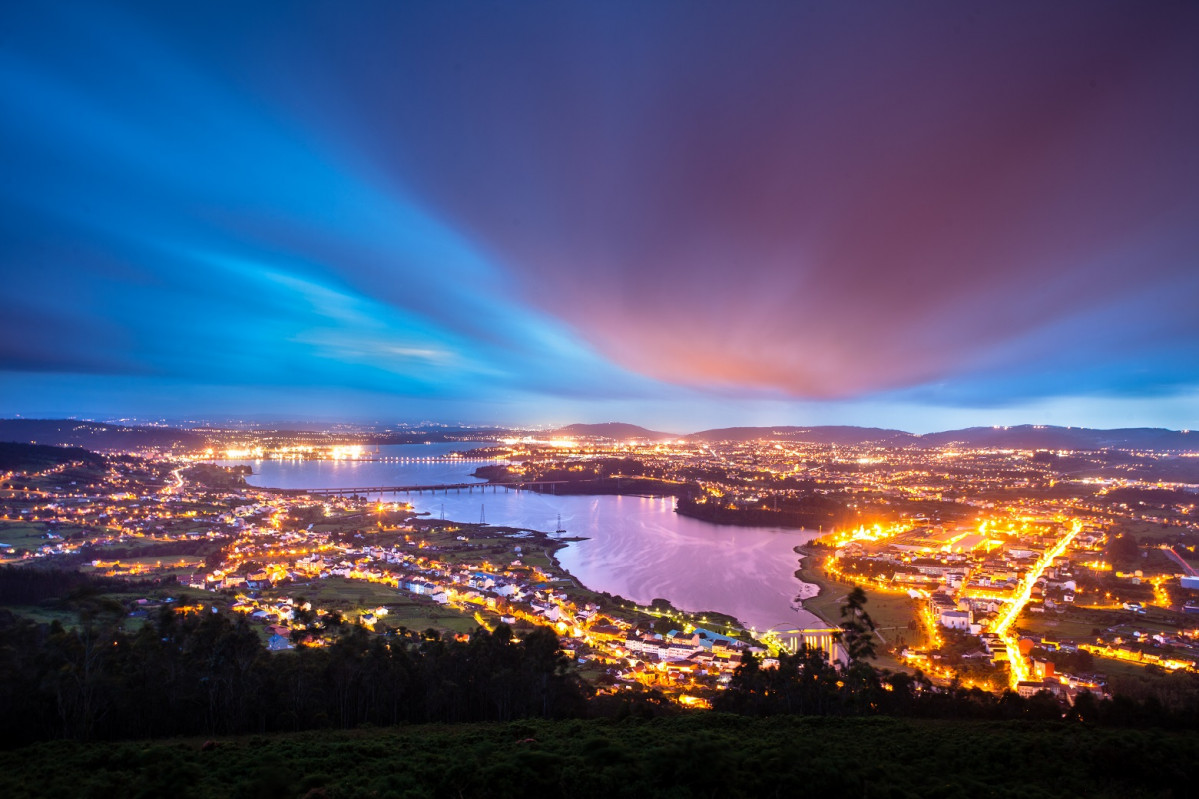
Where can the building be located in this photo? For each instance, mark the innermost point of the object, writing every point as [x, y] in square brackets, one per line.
[957, 619]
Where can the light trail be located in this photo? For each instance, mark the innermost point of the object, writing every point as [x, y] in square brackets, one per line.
[930, 627]
[1018, 668]
[177, 477]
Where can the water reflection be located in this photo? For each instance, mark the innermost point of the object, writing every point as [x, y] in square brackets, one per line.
[637, 547]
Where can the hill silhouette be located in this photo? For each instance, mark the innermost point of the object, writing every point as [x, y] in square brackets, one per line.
[117, 437]
[1012, 437]
[96, 435]
[30, 457]
[613, 430]
[829, 434]
[1072, 438]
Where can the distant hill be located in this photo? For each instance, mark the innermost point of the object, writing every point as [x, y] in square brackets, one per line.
[832, 434]
[613, 430]
[36, 457]
[1015, 437]
[435, 435]
[1071, 438]
[97, 435]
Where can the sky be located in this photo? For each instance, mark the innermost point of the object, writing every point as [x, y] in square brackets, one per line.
[682, 214]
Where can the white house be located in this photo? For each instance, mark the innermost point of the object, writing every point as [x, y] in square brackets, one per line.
[957, 619]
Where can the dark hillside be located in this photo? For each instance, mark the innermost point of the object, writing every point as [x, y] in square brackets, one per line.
[37, 457]
[1067, 438]
[613, 430]
[687, 756]
[97, 435]
[832, 434]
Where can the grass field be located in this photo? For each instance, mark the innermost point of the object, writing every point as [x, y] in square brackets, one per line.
[133, 543]
[62, 612]
[1157, 562]
[891, 612]
[46, 614]
[421, 616]
[1073, 624]
[23, 535]
[1118, 671]
[404, 610]
[1080, 622]
[171, 564]
[701, 754]
[340, 593]
[1146, 531]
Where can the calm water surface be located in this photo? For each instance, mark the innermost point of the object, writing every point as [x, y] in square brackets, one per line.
[637, 547]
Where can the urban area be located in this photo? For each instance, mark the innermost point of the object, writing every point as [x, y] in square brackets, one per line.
[998, 567]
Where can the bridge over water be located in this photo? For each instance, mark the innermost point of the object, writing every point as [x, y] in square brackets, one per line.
[439, 488]
[427, 459]
[824, 639]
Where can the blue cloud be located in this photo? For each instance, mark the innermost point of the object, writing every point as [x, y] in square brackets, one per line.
[678, 203]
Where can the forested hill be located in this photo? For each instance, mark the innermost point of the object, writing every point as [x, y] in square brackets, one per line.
[1067, 438]
[113, 437]
[1045, 437]
[97, 435]
[36, 457]
[831, 434]
[614, 430]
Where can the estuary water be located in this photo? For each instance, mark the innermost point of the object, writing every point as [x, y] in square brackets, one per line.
[637, 547]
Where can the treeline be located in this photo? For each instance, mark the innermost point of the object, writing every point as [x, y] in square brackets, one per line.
[623, 486]
[621, 476]
[813, 511]
[30, 586]
[15, 457]
[202, 547]
[224, 478]
[805, 684]
[206, 674]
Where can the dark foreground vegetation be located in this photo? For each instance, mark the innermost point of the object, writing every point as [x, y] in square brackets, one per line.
[202, 672]
[696, 755]
[164, 709]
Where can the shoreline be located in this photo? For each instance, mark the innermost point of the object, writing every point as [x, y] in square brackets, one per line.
[812, 576]
[664, 606]
[891, 613]
[657, 608]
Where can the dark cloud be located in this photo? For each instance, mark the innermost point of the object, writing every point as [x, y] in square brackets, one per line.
[950, 203]
[832, 201]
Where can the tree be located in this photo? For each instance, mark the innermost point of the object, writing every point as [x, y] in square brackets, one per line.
[857, 628]
[1123, 549]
